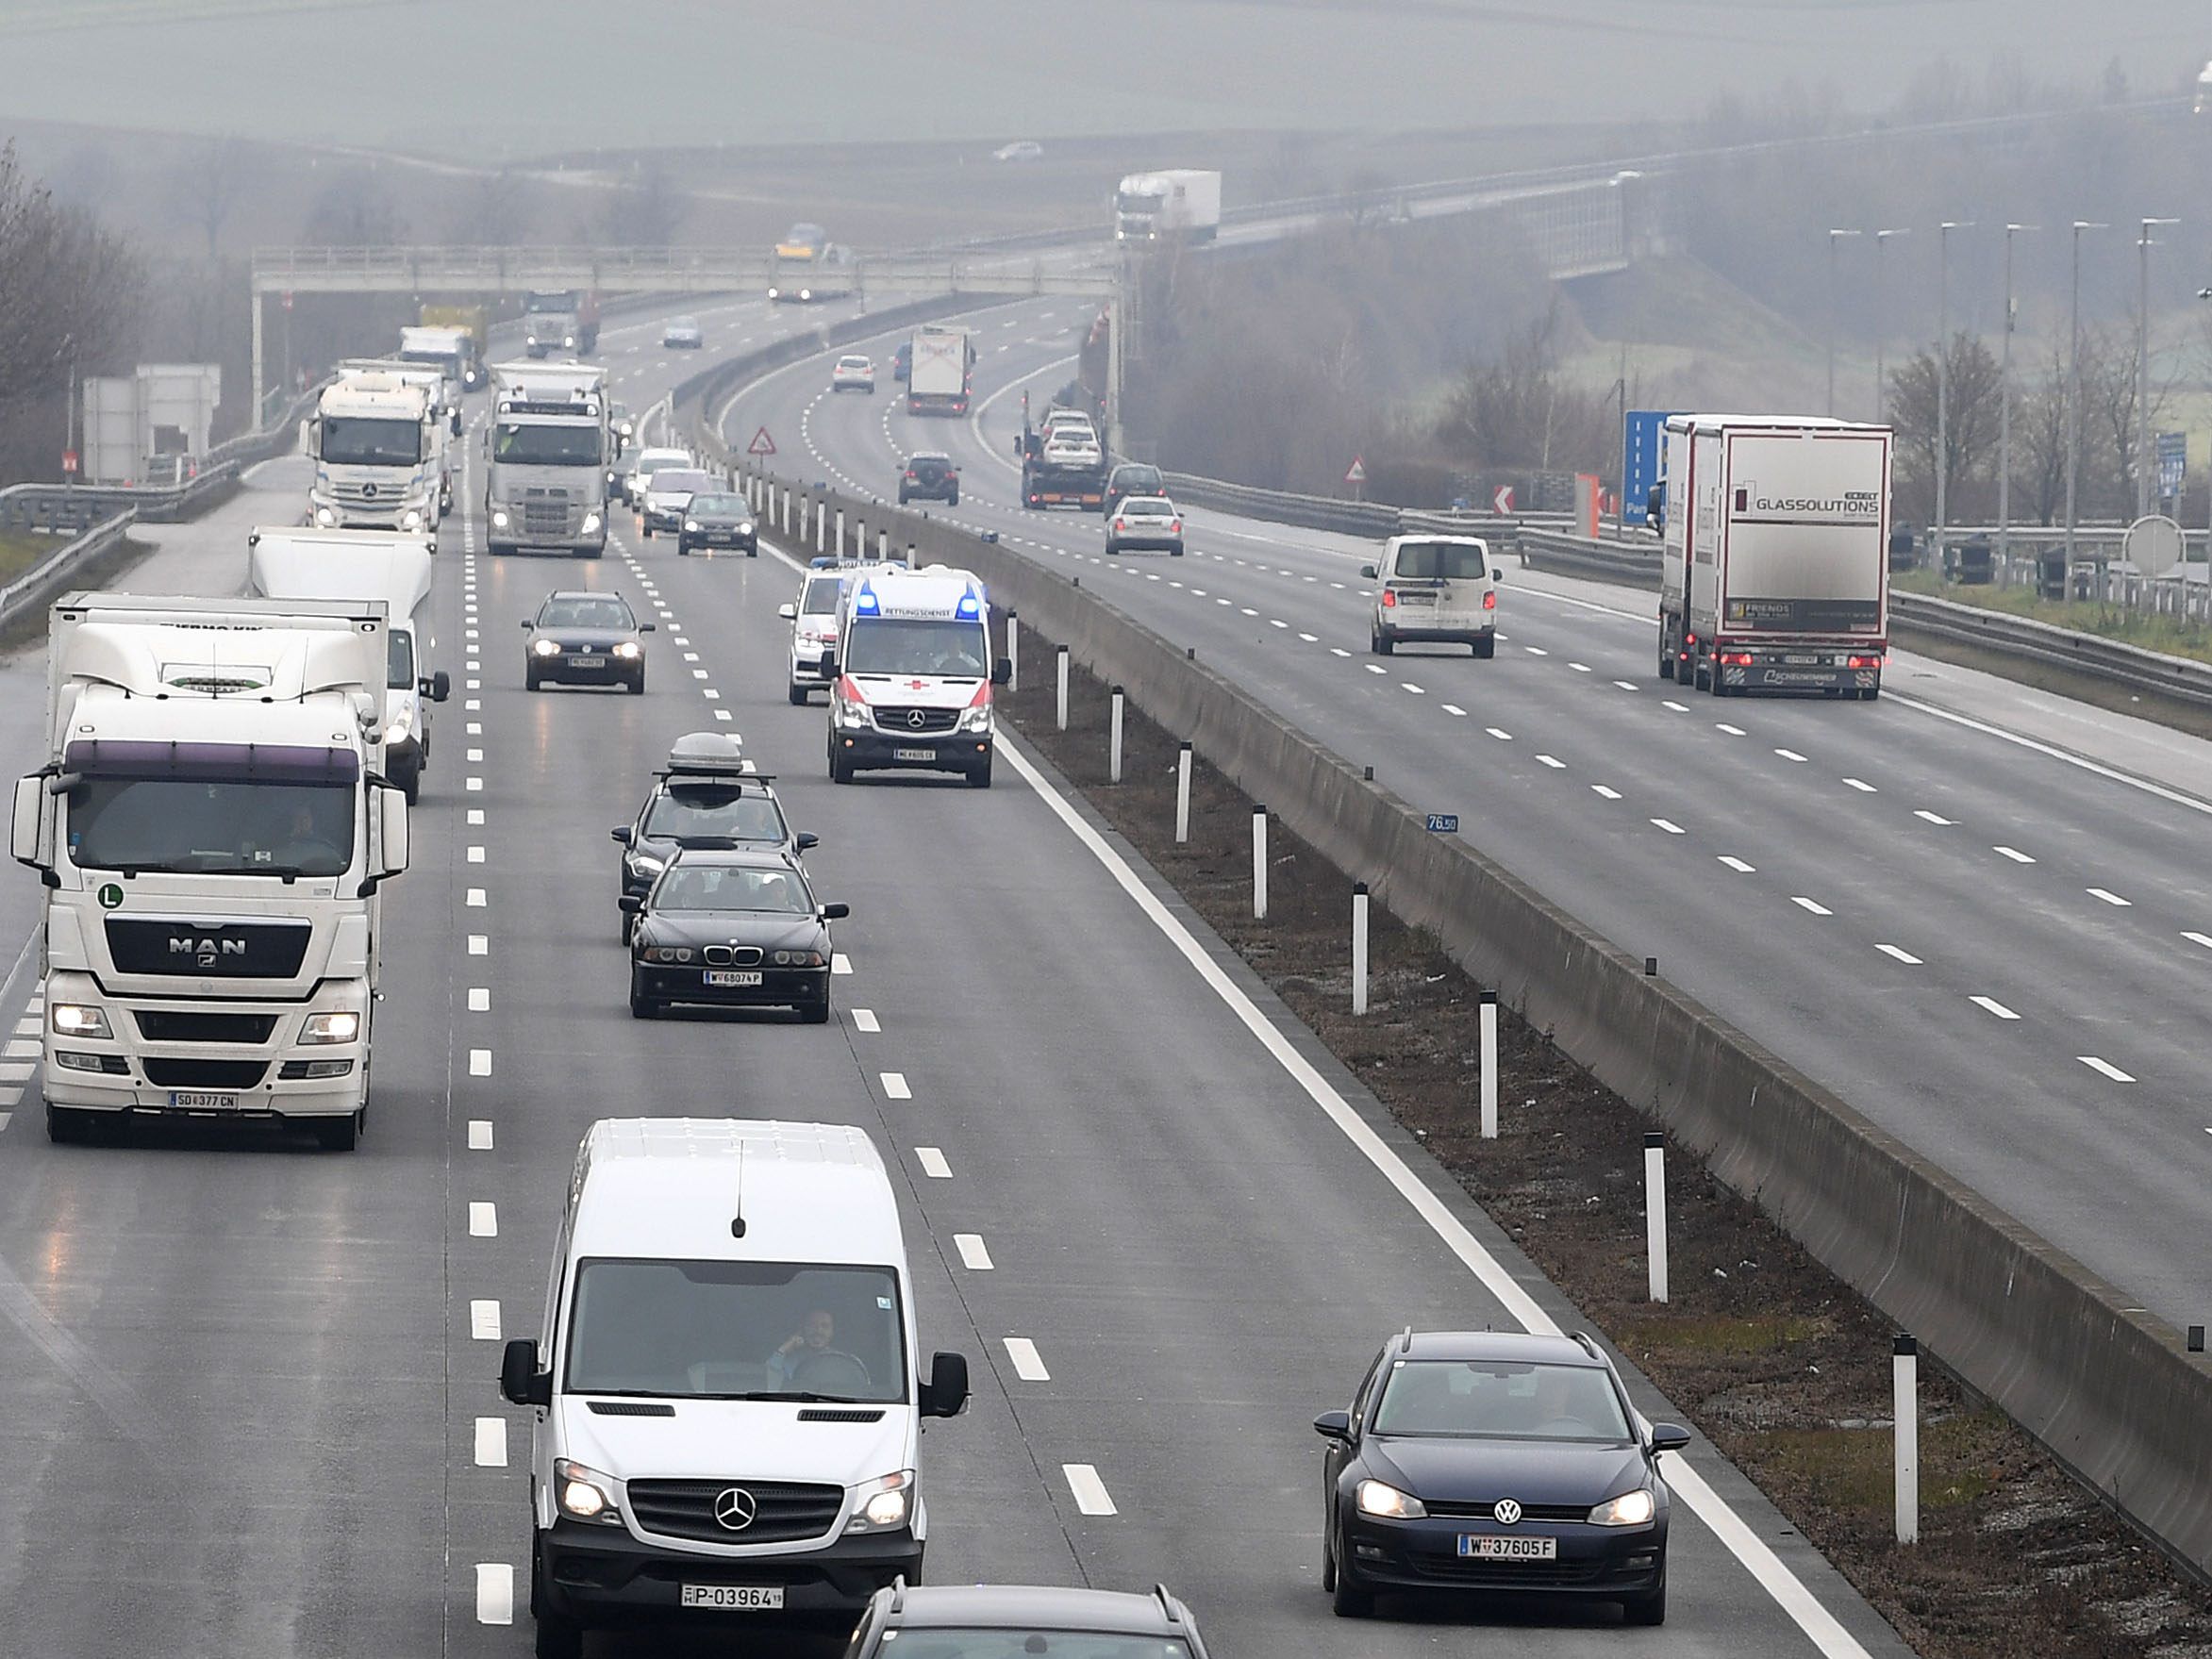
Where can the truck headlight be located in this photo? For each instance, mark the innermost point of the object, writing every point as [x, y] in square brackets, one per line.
[591, 524]
[585, 1494]
[411, 519]
[881, 1504]
[498, 519]
[1381, 1498]
[341, 1025]
[324, 517]
[976, 718]
[1631, 1509]
[77, 1020]
[544, 648]
[628, 651]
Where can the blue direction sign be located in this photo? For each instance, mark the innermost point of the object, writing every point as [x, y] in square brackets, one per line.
[1444, 823]
[2174, 464]
[1640, 440]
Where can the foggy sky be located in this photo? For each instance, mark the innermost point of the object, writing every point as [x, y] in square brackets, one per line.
[489, 79]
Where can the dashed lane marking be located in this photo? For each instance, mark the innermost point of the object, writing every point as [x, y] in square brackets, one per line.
[974, 1256]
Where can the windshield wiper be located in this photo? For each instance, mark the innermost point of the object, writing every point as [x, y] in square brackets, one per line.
[802, 1398]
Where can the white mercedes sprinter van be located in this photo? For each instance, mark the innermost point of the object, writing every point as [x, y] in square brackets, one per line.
[728, 1402]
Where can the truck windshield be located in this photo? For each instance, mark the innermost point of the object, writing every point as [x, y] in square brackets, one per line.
[449, 361]
[399, 660]
[541, 304]
[709, 1329]
[209, 828]
[1134, 202]
[545, 446]
[365, 440]
[907, 645]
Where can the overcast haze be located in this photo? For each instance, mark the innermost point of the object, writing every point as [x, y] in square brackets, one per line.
[492, 78]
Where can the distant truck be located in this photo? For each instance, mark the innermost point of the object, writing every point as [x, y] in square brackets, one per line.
[938, 374]
[450, 351]
[1775, 572]
[1182, 205]
[807, 266]
[475, 324]
[379, 449]
[1063, 464]
[547, 458]
[560, 320]
[445, 410]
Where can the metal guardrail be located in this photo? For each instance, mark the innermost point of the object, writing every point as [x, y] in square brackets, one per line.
[1376, 519]
[57, 571]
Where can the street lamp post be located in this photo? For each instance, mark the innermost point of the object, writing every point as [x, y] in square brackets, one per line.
[1833, 237]
[2074, 390]
[1943, 376]
[2143, 461]
[2004, 411]
[1881, 325]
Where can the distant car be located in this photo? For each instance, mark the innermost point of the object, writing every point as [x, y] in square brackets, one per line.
[930, 476]
[668, 492]
[996, 1621]
[1058, 420]
[1145, 520]
[852, 373]
[648, 463]
[683, 334]
[706, 797]
[736, 927]
[1020, 150]
[903, 361]
[718, 521]
[1073, 449]
[1492, 1460]
[1133, 478]
[1433, 588]
[585, 638]
[624, 423]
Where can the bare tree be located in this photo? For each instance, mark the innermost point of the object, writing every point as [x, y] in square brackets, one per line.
[354, 210]
[645, 210]
[209, 183]
[2038, 440]
[1969, 431]
[1516, 410]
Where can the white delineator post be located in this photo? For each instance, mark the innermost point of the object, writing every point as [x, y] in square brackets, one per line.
[1061, 669]
[1487, 1010]
[840, 532]
[1114, 739]
[1655, 1210]
[821, 526]
[1359, 947]
[883, 546]
[1183, 794]
[1013, 650]
[1259, 864]
[1904, 1377]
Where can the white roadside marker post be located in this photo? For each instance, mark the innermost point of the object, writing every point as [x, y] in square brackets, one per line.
[1259, 864]
[1905, 1367]
[1183, 794]
[1013, 649]
[1358, 947]
[1060, 668]
[1655, 1210]
[1114, 739]
[1487, 1010]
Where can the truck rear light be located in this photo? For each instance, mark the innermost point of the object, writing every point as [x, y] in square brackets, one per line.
[1490, 599]
[1865, 662]
[1736, 659]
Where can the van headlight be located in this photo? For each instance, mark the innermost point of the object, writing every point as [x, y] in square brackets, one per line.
[1631, 1509]
[852, 716]
[881, 1506]
[77, 1020]
[341, 1025]
[976, 718]
[499, 518]
[585, 1494]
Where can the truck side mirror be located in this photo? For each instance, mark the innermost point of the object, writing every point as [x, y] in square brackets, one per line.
[392, 825]
[519, 1380]
[947, 1392]
[30, 811]
[440, 685]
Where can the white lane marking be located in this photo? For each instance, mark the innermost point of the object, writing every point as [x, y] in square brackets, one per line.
[1502, 736]
[722, 714]
[1271, 621]
[1580, 668]
[1723, 726]
[2106, 1066]
[710, 694]
[483, 1218]
[932, 1160]
[479, 1135]
[1992, 1006]
[1934, 817]
[1412, 688]
[1677, 707]
[476, 854]
[1091, 1496]
[20, 1050]
[974, 1256]
[496, 1593]
[479, 1062]
[1310, 638]
[2014, 854]
[1338, 651]
[1554, 765]
[473, 685]
[480, 944]
[475, 728]
[479, 998]
[1737, 865]
[474, 785]
[2199, 938]
[14, 1073]
[492, 1442]
[864, 1019]
[477, 815]
[1536, 651]
[840, 962]
[1028, 1365]
[690, 657]
[1610, 794]
[2111, 898]
[1627, 685]
[474, 757]
[1376, 667]
[1789, 755]
[894, 1087]
[484, 1321]
[1817, 909]
[1671, 827]
[1905, 957]
[1757, 1556]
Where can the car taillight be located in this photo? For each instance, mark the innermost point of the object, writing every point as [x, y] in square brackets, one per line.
[1390, 599]
[911, 474]
[1121, 524]
[1489, 599]
[1177, 525]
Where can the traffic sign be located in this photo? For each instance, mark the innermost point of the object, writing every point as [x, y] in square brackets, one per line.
[69, 461]
[1356, 473]
[1444, 823]
[762, 445]
[1642, 440]
[2174, 464]
[1502, 499]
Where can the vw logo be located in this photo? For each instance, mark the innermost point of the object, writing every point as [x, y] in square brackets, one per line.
[734, 1508]
[915, 718]
[1506, 1510]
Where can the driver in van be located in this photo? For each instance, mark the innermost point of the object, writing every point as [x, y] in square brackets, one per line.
[814, 1336]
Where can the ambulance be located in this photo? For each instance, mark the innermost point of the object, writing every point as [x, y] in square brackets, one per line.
[911, 674]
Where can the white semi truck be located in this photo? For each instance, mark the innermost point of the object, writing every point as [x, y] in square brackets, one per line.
[938, 371]
[1775, 570]
[1183, 203]
[213, 827]
[548, 452]
[291, 563]
[380, 454]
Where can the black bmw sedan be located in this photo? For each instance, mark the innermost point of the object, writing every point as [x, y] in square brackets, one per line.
[1479, 1461]
[736, 928]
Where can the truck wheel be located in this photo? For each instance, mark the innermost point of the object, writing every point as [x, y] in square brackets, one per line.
[683, 548]
[1870, 693]
[798, 694]
[1667, 658]
[1176, 550]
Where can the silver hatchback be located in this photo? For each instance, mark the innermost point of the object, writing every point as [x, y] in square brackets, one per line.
[1433, 588]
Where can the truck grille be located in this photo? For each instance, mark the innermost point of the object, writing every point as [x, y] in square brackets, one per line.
[545, 514]
[917, 719]
[185, 1025]
[224, 950]
[785, 1513]
[205, 1073]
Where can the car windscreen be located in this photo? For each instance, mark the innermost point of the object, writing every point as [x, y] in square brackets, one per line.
[1139, 507]
[1137, 480]
[369, 440]
[909, 645]
[585, 613]
[719, 506]
[821, 598]
[678, 481]
[1028, 1642]
[207, 827]
[722, 1330]
[727, 887]
[1454, 561]
[1502, 1399]
[710, 812]
[653, 459]
[545, 446]
[854, 363]
[399, 660]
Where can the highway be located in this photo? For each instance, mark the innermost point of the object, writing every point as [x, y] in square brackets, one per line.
[1983, 917]
[253, 1402]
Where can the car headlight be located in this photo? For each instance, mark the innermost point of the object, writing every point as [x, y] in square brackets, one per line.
[797, 958]
[324, 517]
[568, 339]
[342, 1025]
[976, 718]
[77, 1020]
[628, 651]
[1381, 1498]
[692, 526]
[1631, 1509]
[591, 524]
[411, 519]
[665, 953]
[585, 1494]
[645, 864]
[544, 648]
[498, 519]
[882, 1504]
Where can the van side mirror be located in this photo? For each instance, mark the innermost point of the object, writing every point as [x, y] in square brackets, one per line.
[440, 685]
[30, 810]
[519, 1380]
[1334, 1425]
[1002, 672]
[1668, 1436]
[1368, 571]
[805, 840]
[1497, 573]
[620, 835]
[837, 912]
[947, 1392]
[789, 613]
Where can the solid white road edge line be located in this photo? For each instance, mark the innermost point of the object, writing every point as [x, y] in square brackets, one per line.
[1788, 1591]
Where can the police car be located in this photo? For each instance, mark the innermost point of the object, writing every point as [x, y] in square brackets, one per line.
[913, 673]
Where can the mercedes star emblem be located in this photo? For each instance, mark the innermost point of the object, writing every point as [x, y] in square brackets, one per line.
[734, 1508]
[1506, 1510]
[915, 718]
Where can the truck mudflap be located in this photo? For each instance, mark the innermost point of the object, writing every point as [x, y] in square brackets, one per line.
[1855, 671]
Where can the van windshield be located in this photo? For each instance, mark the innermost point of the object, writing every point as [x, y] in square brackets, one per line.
[1453, 561]
[912, 645]
[707, 1330]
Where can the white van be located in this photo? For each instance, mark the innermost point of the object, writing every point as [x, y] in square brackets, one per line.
[910, 674]
[303, 562]
[1434, 588]
[728, 1411]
